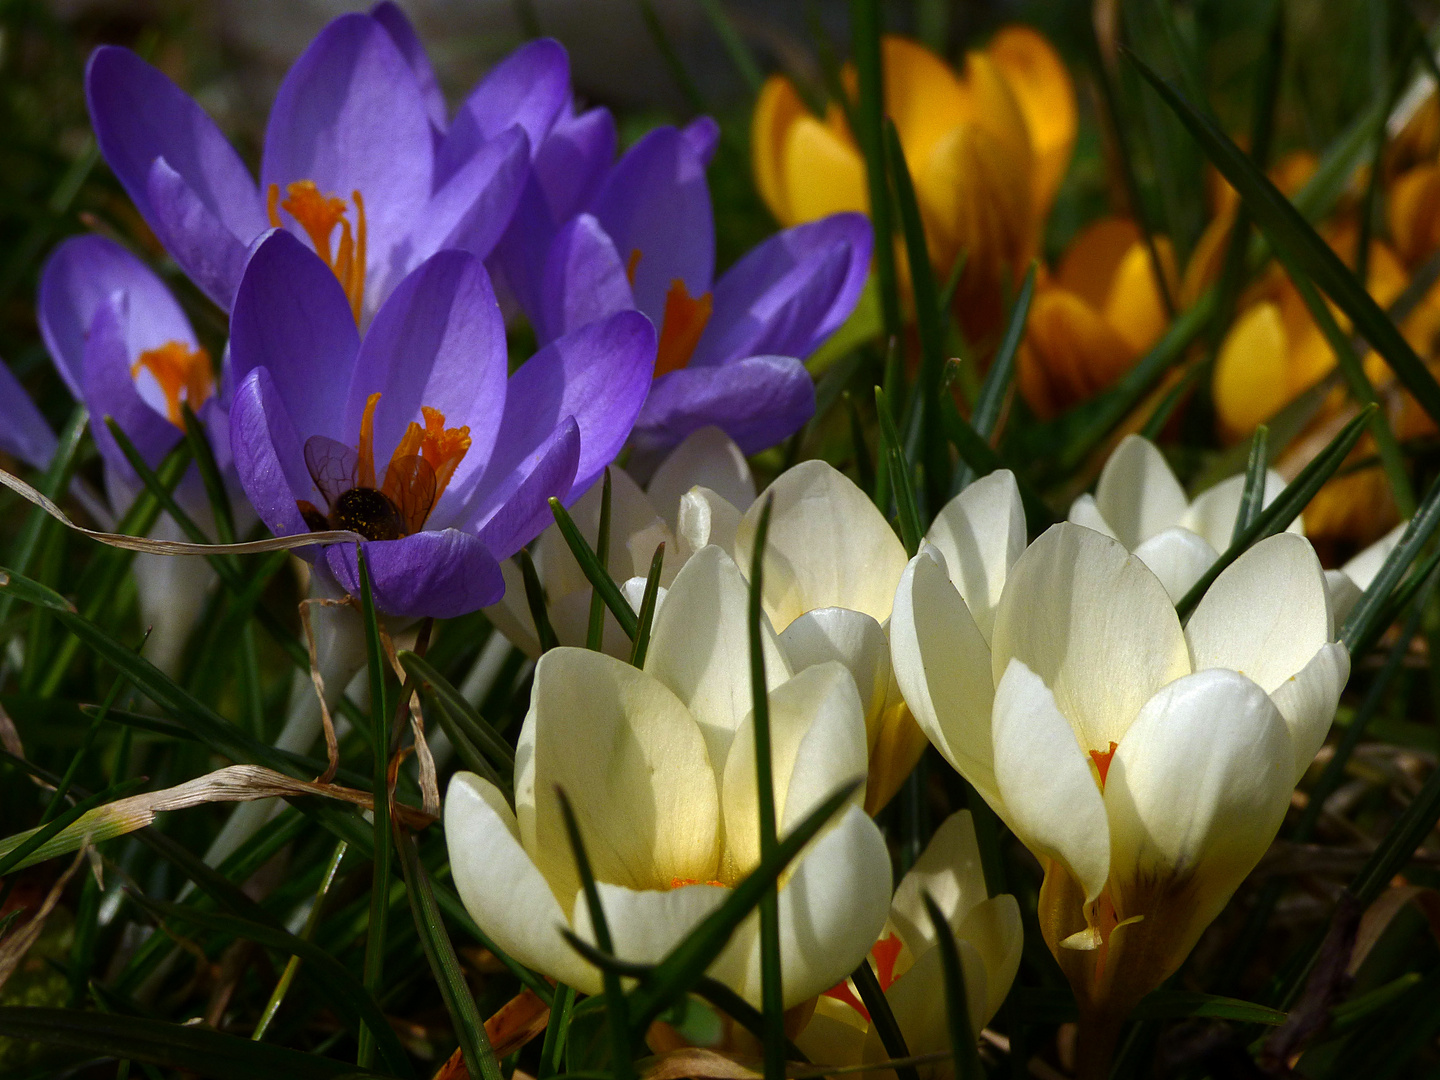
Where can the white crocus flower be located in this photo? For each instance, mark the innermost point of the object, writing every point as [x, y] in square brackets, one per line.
[660, 767]
[908, 962]
[1349, 583]
[708, 463]
[1139, 502]
[1147, 765]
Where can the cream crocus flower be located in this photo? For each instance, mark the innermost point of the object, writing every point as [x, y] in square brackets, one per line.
[640, 518]
[1146, 765]
[1349, 582]
[1139, 502]
[660, 767]
[908, 962]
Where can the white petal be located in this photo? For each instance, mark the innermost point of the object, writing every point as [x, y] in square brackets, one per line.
[706, 458]
[1344, 595]
[706, 518]
[511, 614]
[918, 1001]
[635, 767]
[1052, 803]
[1308, 700]
[1138, 494]
[700, 647]
[1363, 567]
[1199, 787]
[851, 638]
[981, 532]
[1095, 624]
[832, 909]
[943, 669]
[828, 546]
[631, 515]
[1214, 510]
[994, 930]
[835, 1035]
[1178, 557]
[1083, 511]
[817, 743]
[949, 870]
[502, 888]
[646, 924]
[1266, 615]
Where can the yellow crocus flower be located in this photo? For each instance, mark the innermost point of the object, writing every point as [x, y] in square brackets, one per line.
[987, 150]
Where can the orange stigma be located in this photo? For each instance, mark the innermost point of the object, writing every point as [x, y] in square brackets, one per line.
[885, 953]
[1102, 759]
[444, 448]
[184, 374]
[630, 265]
[684, 322]
[318, 215]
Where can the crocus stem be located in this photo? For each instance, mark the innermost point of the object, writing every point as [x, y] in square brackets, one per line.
[1095, 1048]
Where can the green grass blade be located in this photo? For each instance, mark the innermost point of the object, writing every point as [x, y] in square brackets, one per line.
[647, 607]
[957, 1008]
[866, 29]
[1252, 497]
[596, 630]
[739, 52]
[996, 387]
[882, 1018]
[911, 531]
[287, 977]
[209, 471]
[375, 935]
[678, 71]
[864, 466]
[465, 715]
[52, 839]
[595, 570]
[535, 598]
[553, 1049]
[1286, 508]
[1364, 616]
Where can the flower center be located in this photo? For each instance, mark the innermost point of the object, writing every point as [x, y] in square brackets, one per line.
[318, 215]
[682, 325]
[681, 882]
[184, 374]
[884, 952]
[420, 468]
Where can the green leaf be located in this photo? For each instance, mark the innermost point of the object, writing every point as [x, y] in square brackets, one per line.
[377, 925]
[865, 30]
[535, 598]
[594, 638]
[1252, 497]
[647, 607]
[595, 571]
[47, 841]
[465, 716]
[957, 1006]
[209, 471]
[1058, 1006]
[740, 54]
[1289, 232]
[996, 386]
[186, 1047]
[881, 1016]
[475, 1046]
[1286, 508]
[893, 455]
[1364, 617]
[553, 1048]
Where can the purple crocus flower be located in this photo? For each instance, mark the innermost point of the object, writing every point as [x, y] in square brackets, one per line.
[728, 349]
[24, 432]
[358, 160]
[473, 455]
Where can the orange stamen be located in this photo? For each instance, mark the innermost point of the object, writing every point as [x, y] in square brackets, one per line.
[184, 374]
[630, 265]
[681, 882]
[365, 449]
[442, 448]
[684, 322]
[318, 214]
[1102, 760]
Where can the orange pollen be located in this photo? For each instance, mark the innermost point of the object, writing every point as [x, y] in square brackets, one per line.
[630, 265]
[420, 467]
[884, 952]
[443, 448]
[318, 215]
[184, 374]
[681, 882]
[684, 322]
[1102, 760]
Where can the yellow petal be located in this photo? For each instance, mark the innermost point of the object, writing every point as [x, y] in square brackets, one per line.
[777, 109]
[1206, 259]
[1414, 212]
[1135, 307]
[1090, 262]
[822, 174]
[922, 96]
[1251, 378]
[1070, 352]
[1038, 78]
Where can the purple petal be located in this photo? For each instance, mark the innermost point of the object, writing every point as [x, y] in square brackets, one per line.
[765, 309]
[209, 253]
[757, 401]
[291, 317]
[389, 15]
[269, 459]
[350, 116]
[584, 280]
[23, 431]
[80, 277]
[435, 574]
[529, 87]
[473, 209]
[140, 115]
[655, 201]
[439, 340]
[703, 135]
[573, 160]
[110, 391]
[520, 511]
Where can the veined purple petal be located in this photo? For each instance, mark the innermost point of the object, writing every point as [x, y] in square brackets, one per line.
[474, 207]
[757, 401]
[291, 317]
[529, 87]
[518, 261]
[584, 280]
[80, 277]
[519, 510]
[437, 574]
[350, 116]
[656, 201]
[780, 319]
[23, 431]
[389, 15]
[573, 160]
[703, 135]
[269, 457]
[109, 390]
[211, 255]
[140, 115]
[439, 340]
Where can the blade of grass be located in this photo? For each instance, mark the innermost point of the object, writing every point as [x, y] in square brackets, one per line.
[595, 570]
[535, 597]
[996, 387]
[553, 1049]
[984, 459]
[957, 1007]
[865, 31]
[673, 64]
[647, 607]
[864, 466]
[1286, 508]
[317, 905]
[209, 475]
[475, 726]
[1252, 497]
[739, 52]
[911, 531]
[28, 848]
[1369, 608]
[374, 966]
[596, 631]
[882, 1017]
